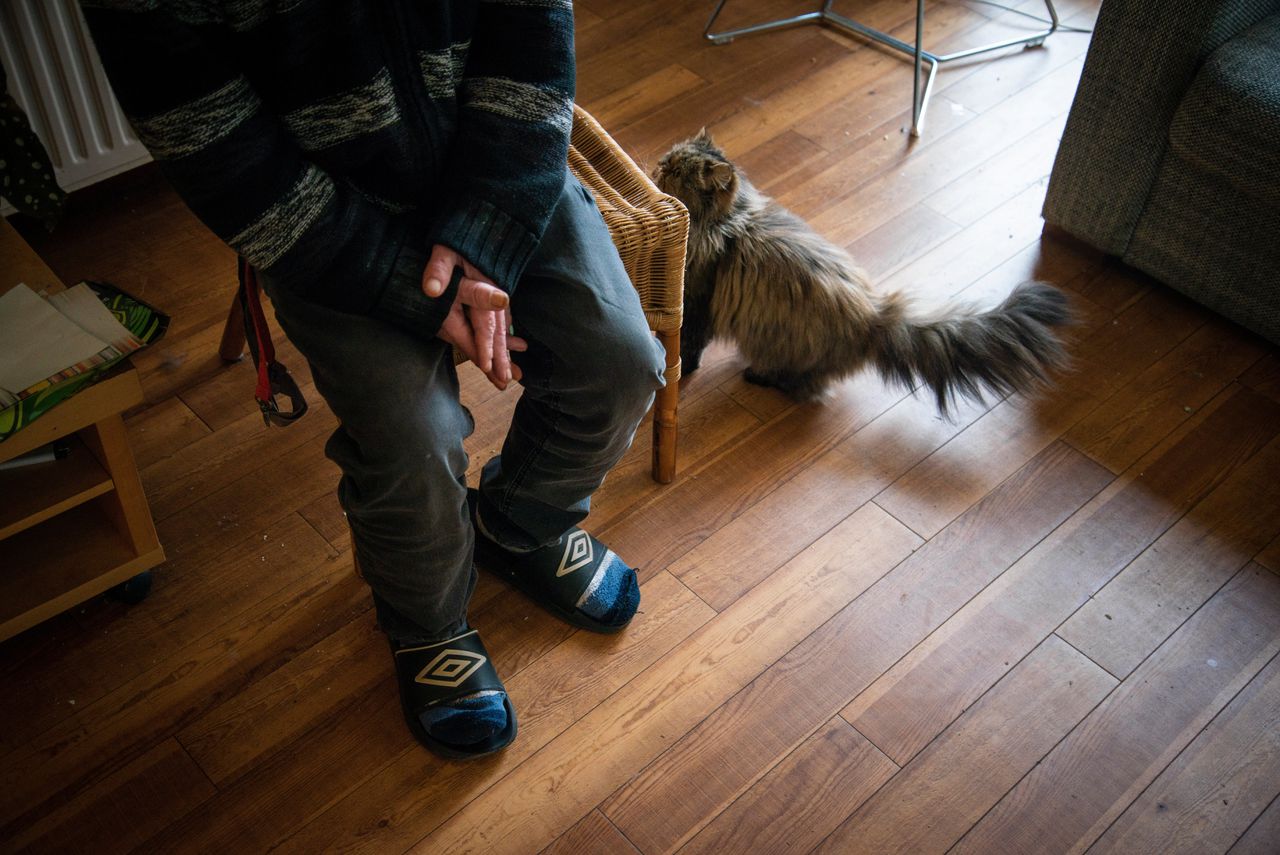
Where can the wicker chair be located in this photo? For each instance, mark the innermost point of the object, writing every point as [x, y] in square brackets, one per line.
[650, 229]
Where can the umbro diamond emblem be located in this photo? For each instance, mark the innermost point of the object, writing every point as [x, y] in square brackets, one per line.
[577, 553]
[450, 668]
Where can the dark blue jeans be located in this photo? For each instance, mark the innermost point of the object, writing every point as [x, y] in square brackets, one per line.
[589, 377]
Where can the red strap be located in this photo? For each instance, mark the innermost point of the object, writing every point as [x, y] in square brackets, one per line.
[265, 352]
[273, 378]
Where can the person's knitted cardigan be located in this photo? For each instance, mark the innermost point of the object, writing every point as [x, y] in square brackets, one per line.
[333, 142]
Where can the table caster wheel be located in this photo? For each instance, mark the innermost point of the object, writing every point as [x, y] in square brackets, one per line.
[132, 591]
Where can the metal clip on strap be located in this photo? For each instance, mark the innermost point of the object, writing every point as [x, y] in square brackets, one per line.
[273, 378]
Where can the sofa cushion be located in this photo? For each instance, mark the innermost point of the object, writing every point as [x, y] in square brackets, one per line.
[1228, 123]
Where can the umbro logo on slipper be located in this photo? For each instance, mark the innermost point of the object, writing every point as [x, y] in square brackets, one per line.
[578, 553]
[450, 668]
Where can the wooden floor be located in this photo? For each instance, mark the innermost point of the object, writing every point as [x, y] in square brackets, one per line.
[1042, 627]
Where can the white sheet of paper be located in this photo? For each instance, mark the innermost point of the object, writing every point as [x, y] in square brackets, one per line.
[36, 342]
[81, 305]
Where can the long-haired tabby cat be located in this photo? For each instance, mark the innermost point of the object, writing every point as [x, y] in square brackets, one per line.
[804, 315]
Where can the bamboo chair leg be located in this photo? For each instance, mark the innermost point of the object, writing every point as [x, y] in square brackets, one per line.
[232, 346]
[664, 413]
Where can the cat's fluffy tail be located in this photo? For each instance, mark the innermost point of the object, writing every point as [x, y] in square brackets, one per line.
[964, 353]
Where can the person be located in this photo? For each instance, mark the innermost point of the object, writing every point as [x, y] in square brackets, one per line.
[396, 172]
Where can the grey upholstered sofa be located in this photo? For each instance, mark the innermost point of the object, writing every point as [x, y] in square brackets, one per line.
[1171, 155]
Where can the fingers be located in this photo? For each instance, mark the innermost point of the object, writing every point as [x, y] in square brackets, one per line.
[501, 357]
[439, 270]
[457, 331]
[483, 328]
[482, 295]
[479, 324]
[514, 342]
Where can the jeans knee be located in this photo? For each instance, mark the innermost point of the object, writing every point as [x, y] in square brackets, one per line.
[629, 376]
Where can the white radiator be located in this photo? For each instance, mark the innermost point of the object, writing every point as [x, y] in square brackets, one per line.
[55, 75]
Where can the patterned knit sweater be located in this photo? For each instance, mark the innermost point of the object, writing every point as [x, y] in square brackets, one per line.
[333, 142]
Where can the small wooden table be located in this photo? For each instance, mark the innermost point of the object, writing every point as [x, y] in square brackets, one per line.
[72, 528]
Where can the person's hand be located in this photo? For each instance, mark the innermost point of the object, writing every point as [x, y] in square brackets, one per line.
[479, 319]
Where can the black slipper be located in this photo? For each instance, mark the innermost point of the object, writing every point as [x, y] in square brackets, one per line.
[439, 672]
[554, 576]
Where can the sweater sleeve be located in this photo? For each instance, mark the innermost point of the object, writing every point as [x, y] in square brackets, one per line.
[235, 165]
[515, 111]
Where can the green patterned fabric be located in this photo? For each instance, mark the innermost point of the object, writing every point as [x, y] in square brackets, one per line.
[140, 319]
[26, 175]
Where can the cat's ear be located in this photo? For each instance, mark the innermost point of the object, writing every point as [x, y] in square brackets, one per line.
[703, 136]
[721, 175]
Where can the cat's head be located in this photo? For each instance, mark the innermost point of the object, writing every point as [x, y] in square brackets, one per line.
[698, 174]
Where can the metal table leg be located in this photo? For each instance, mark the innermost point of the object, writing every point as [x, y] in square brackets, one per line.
[919, 94]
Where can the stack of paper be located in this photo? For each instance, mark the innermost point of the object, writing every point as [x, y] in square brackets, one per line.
[44, 341]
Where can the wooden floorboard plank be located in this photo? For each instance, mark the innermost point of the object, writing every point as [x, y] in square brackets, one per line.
[728, 563]
[220, 458]
[959, 777]
[290, 701]
[1264, 376]
[666, 34]
[414, 791]
[112, 732]
[584, 17]
[285, 707]
[700, 774]
[161, 430]
[293, 733]
[1138, 609]
[1210, 795]
[1270, 556]
[123, 810]
[937, 163]
[923, 693]
[961, 91]
[772, 162]
[962, 471]
[800, 801]
[289, 480]
[934, 277]
[228, 395]
[263, 805]
[567, 777]
[1048, 260]
[866, 82]
[644, 95]
[1029, 163]
[591, 835]
[180, 361]
[1261, 837]
[710, 496]
[901, 240]
[1094, 774]
[708, 425]
[763, 74]
[325, 515]
[1110, 285]
[763, 402]
[492, 419]
[1155, 402]
[189, 601]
